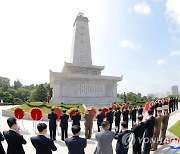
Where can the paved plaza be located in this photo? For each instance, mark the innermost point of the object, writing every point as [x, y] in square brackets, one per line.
[61, 147]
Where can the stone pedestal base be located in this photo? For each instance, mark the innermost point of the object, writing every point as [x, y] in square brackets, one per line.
[99, 102]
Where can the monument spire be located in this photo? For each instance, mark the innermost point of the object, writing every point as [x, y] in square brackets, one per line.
[81, 48]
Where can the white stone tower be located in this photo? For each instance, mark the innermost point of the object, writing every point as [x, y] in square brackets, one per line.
[81, 48]
[80, 81]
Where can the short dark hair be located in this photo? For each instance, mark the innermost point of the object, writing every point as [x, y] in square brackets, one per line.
[64, 111]
[150, 112]
[41, 127]
[75, 129]
[124, 124]
[100, 110]
[140, 105]
[118, 108]
[140, 117]
[110, 108]
[11, 121]
[76, 110]
[104, 124]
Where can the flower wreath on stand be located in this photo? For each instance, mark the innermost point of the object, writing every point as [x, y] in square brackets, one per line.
[72, 111]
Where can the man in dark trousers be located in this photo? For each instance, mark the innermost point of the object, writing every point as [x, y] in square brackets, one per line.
[76, 144]
[1, 147]
[140, 110]
[100, 118]
[122, 145]
[117, 116]
[52, 124]
[170, 104]
[13, 138]
[133, 115]
[138, 131]
[177, 103]
[64, 125]
[152, 106]
[174, 105]
[155, 107]
[76, 118]
[148, 132]
[109, 117]
[41, 143]
[125, 114]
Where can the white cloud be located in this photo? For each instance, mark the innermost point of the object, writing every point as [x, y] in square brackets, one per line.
[173, 10]
[129, 45]
[142, 8]
[160, 62]
[175, 53]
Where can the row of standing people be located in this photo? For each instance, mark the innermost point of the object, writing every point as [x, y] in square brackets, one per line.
[109, 117]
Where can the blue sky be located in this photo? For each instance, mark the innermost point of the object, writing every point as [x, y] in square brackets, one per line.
[139, 39]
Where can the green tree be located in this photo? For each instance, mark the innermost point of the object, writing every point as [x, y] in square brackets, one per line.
[22, 93]
[7, 97]
[17, 84]
[38, 94]
[4, 83]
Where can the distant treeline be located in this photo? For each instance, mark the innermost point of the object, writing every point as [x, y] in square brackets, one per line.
[19, 93]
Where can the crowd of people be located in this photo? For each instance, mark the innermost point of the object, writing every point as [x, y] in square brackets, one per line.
[148, 124]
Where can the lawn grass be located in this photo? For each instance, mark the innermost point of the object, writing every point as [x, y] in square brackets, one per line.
[45, 107]
[175, 129]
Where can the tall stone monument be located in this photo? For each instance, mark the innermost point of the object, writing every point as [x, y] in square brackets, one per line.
[80, 81]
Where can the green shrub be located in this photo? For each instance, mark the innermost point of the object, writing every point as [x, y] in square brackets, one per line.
[18, 101]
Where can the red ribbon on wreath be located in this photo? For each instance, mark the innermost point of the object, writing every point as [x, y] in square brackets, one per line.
[104, 111]
[19, 113]
[58, 112]
[36, 114]
[72, 112]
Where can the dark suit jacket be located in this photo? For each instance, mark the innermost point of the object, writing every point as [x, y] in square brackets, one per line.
[149, 127]
[1, 147]
[125, 114]
[138, 131]
[76, 145]
[117, 116]
[140, 111]
[133, 114]
[52, 119]
[122, 142]
[76, 119]
[14, 141]
[109, 116]
[64, 121]
[100, 118]
[43, 145]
